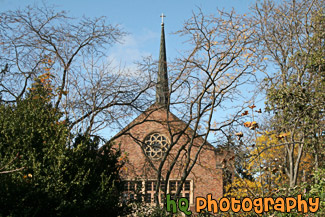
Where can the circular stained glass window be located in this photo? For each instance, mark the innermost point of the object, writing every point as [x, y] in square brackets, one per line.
[155, 145]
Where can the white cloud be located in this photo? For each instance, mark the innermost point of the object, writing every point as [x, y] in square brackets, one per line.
[132, 49]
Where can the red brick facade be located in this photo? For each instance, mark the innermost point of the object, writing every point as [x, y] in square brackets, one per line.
[205, 177]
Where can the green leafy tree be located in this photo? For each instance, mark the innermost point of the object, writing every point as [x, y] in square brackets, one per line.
[32, 143]
[89, 179]
[42, 172]
[291, 38]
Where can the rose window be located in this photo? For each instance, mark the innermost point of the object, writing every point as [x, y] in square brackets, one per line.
[155, 145]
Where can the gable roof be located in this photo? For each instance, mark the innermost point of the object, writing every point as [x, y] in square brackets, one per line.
[145, 117]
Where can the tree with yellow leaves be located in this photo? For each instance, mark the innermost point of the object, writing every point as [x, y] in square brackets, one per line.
[291, 38]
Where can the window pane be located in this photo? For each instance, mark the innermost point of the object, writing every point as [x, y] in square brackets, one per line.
[187, 185]
[147, 198]
[148, 186]
[187, 195]
[162, 186]
[139, 186]
[125, 186]
[132, 186]
[162, 198]
[172, 185]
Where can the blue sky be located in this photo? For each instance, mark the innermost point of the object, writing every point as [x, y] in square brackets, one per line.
[140, 18]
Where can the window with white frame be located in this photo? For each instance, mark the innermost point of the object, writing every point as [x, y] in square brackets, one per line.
[145, 190]
[186, 189]
[132, 190]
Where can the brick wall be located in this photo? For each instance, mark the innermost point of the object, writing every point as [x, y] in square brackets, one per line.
[207, 172]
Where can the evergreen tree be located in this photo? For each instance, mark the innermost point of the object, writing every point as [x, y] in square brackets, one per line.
[42, 173]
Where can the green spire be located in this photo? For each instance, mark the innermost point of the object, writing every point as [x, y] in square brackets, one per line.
[162, 91]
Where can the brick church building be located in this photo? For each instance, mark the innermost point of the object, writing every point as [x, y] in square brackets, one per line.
[160, 146]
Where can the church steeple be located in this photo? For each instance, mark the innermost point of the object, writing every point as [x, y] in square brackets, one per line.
[162, 91]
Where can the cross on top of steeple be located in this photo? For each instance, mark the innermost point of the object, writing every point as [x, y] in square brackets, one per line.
[162, 18]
